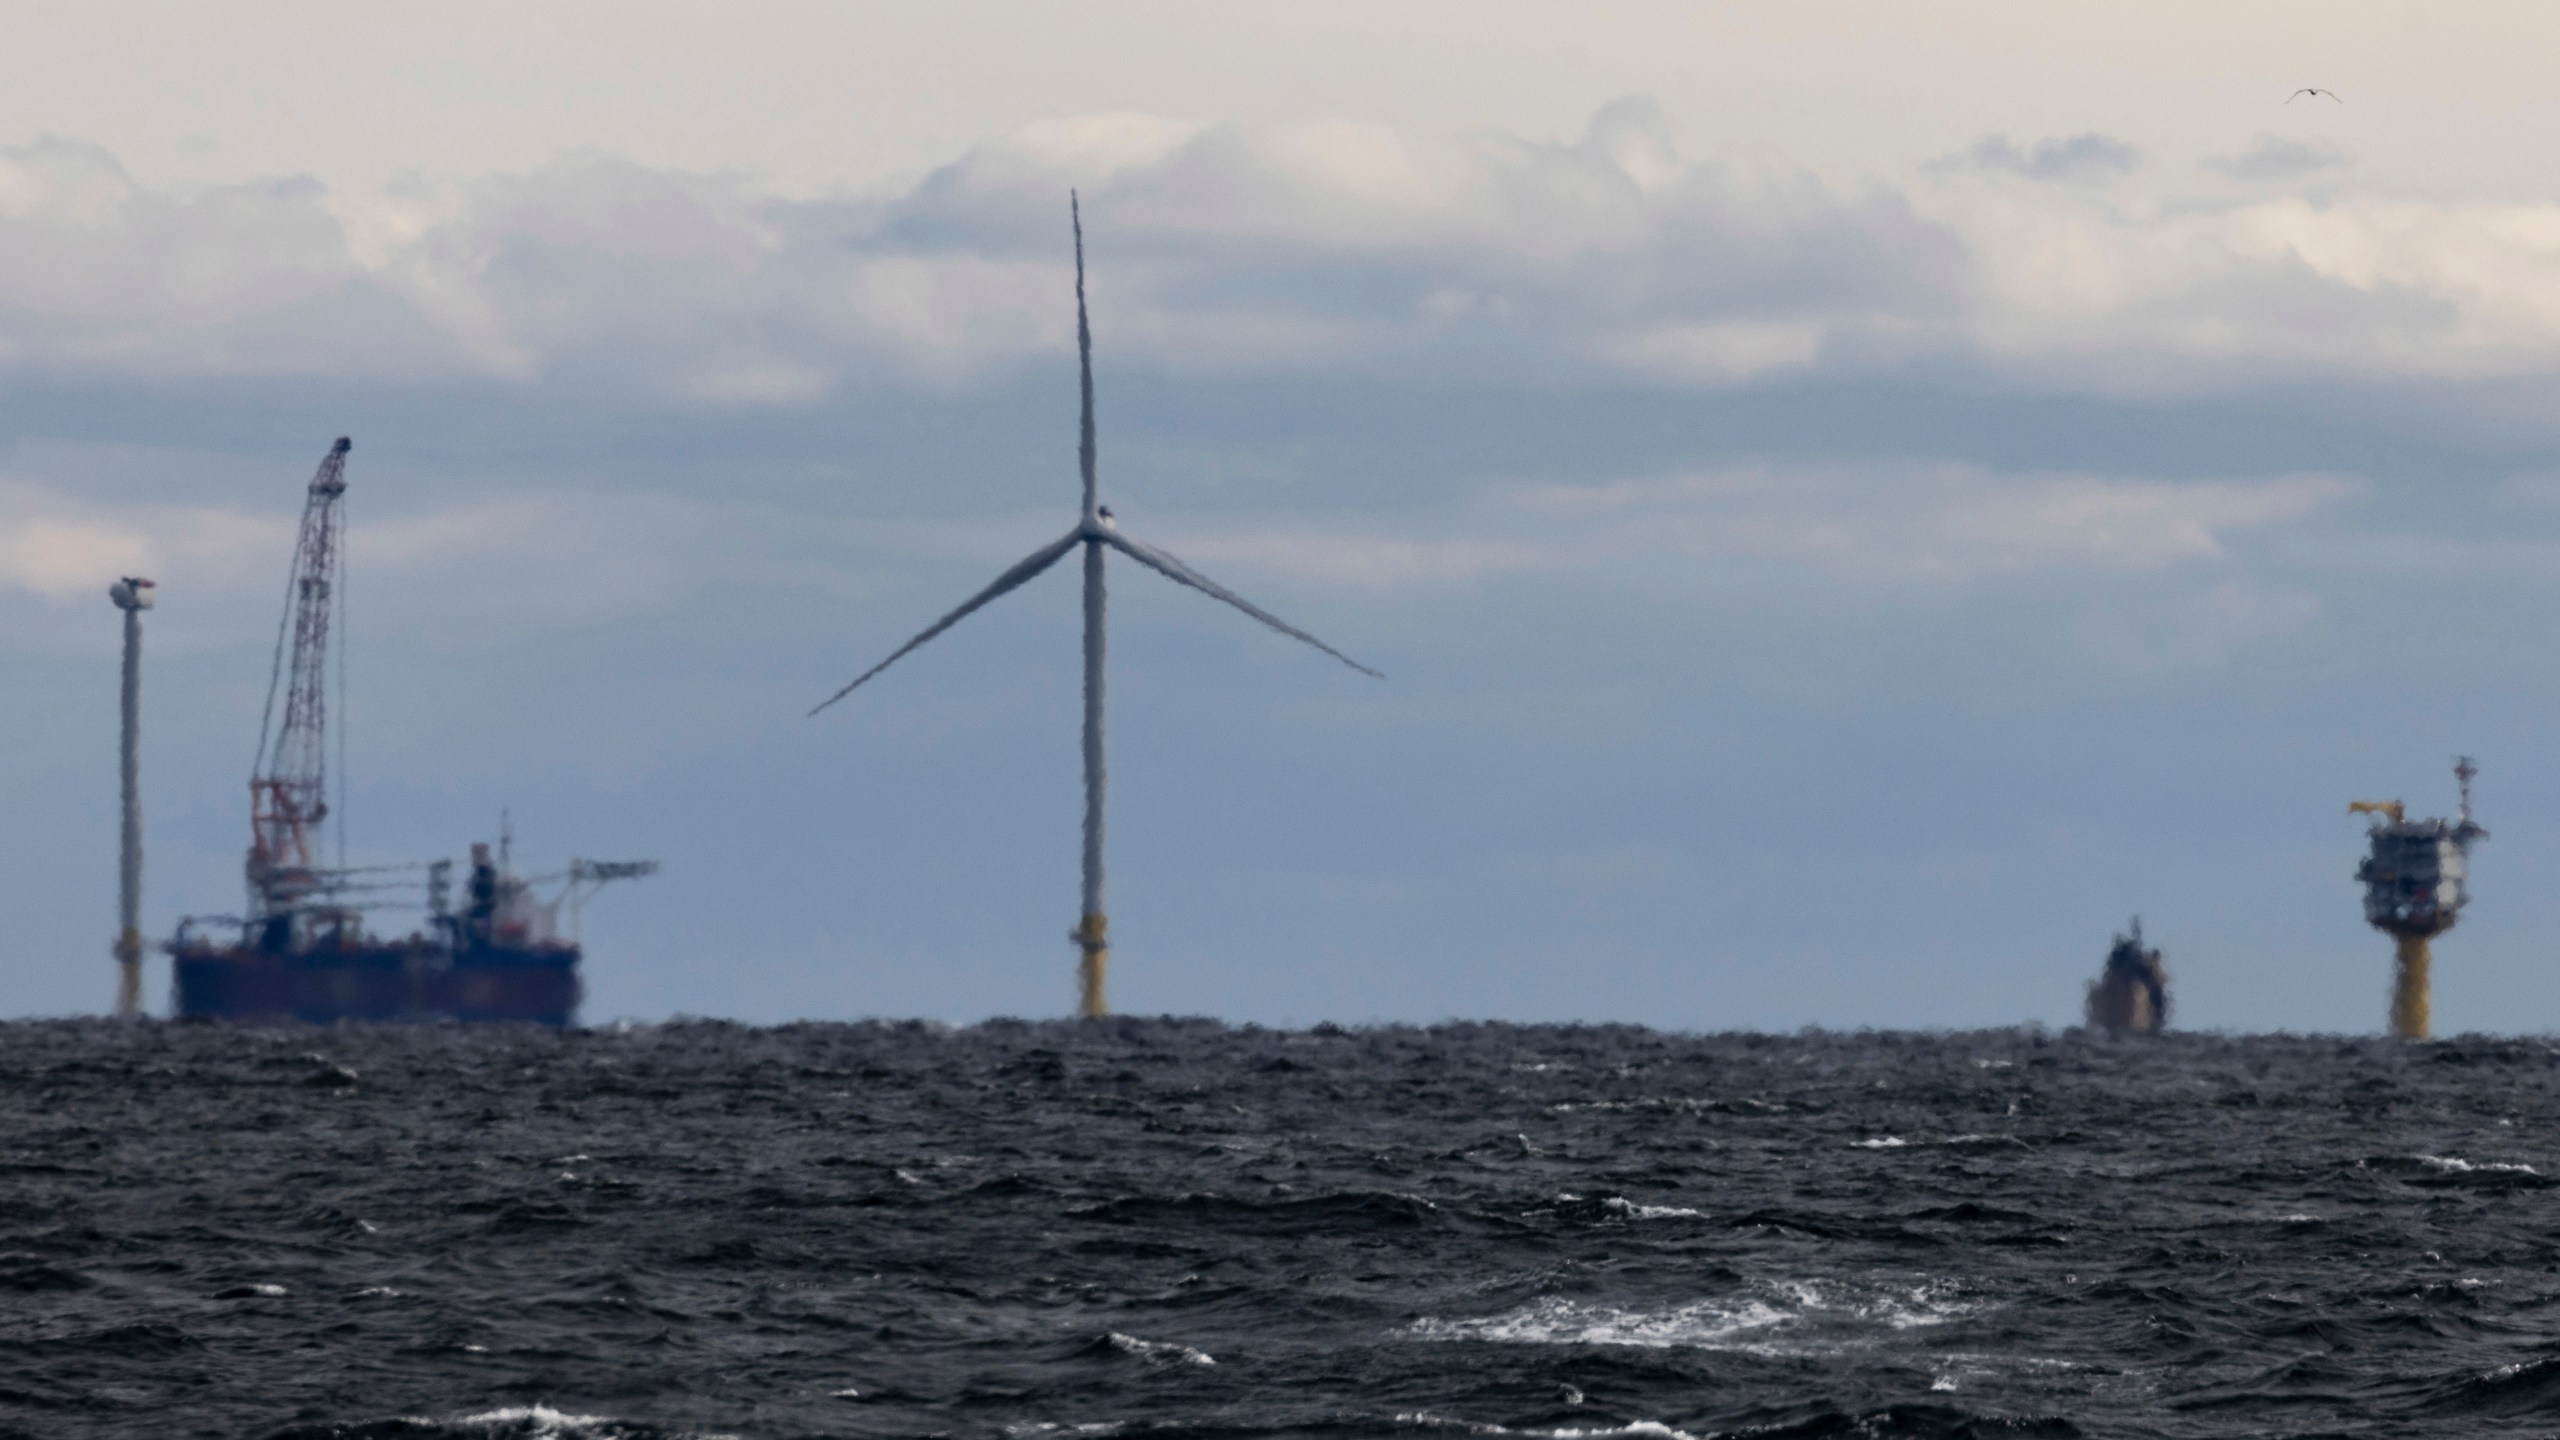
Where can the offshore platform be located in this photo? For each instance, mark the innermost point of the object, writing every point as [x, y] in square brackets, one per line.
[2413, 891]
[301, 951]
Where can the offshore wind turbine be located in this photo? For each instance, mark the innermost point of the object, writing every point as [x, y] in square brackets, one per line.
[1096, 532]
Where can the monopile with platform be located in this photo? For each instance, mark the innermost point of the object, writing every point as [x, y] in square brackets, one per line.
[2413, 876]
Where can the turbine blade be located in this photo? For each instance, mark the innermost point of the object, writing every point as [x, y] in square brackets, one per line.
[1174, 570]
[1032, 564]
[1084, 360]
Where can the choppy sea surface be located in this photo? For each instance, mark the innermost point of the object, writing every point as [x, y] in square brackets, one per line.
[1170, 1228]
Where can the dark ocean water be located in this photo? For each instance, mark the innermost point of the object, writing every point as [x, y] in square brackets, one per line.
[1161, 1228]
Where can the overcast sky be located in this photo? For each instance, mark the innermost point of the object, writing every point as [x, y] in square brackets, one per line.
[1853, 500]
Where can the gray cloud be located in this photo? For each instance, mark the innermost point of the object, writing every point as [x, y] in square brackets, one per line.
[2275, 159]
[101, 275]
[1314, 248]
[2075, 159]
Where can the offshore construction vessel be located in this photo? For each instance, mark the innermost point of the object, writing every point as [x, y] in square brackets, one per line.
[302, 951]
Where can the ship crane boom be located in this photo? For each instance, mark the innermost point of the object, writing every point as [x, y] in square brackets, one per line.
[288, 787]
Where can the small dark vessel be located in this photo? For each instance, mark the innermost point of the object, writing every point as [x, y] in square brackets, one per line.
[302, 951]
[2131, 996]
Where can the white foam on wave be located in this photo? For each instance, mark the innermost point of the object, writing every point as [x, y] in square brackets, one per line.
[2455, 1165]
[1951, 1142]
[2509, 1371]
[1902, 1307]
[533, 1419]
[541, 1422]
[1788, 1317]
[1163, 1351]
[1647, 1429]
[1977, 1370]
[1676, 1105]
[1425, 1420]
[1658, 1104]
[1621, 1205]
[1704, 1324]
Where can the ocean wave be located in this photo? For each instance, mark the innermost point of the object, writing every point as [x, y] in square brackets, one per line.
[1161, 1352]
[1619, 1207]
[1796, 1316]
[508, 1422]
[2453, 1165]
[1400, 1230]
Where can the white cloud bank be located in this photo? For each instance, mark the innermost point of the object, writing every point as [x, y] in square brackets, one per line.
[1323, 248]
[1320, 246]
[60, 547]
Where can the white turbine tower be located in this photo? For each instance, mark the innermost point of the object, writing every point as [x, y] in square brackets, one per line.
[1095, 532]
[132, 595]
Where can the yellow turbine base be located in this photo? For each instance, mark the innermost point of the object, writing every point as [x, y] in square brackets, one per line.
[2411, 1003]
[1091, 937]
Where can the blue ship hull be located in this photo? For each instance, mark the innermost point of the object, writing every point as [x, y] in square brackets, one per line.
[415, 982]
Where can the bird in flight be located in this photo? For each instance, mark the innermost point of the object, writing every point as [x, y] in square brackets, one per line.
[2312, 90]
